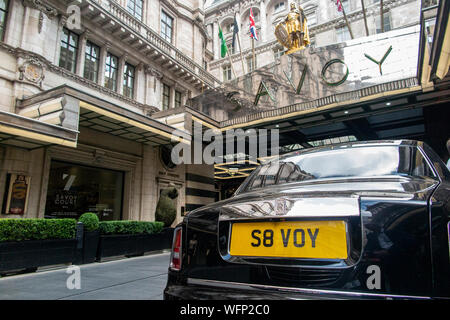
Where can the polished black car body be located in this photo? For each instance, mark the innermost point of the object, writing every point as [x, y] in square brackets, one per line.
[393, 197]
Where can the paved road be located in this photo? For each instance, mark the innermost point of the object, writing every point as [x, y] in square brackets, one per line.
[141, 278]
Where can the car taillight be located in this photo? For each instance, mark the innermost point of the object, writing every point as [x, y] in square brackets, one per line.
[175, 258]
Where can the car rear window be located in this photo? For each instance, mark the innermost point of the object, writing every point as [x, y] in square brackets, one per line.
[374, 161]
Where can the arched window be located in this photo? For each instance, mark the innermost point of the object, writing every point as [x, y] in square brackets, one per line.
[279, 7]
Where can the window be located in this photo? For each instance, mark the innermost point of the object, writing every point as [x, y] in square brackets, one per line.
[343, 34]
[166, 97]
[427, 3]
[128, 81]
[166, 26]
[177, 99]
[386, 21]
[91, 62]
[278, 52]
[312, 18]
[3, 15]
[250, 66]
[256, 16]
[229, 28]
[135, 8]
[227, 73]
[279, 7]
[111, 71]
[339, 163]
[345, 5]
[75, 189]
[69, 48]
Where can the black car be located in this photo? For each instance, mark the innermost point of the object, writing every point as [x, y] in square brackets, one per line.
[357, 220]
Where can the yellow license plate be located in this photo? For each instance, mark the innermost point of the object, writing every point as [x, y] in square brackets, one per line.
[290, 239]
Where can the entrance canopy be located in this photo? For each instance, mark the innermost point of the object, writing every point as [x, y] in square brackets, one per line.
[23, 132]
[56, 116]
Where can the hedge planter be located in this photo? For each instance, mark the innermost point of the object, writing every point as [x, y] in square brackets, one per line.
[118, 245]
[90, 246]
[35, 253]
[133, 245]
[167, 237]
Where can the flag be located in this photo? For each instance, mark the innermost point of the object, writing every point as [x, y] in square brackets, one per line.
[235, 31]
[253, 26]
[339, 5]
[223, 44]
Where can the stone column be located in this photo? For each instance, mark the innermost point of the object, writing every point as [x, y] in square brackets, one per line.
[263, 21]
[154, 88]
[147, 90]
[120, 71]
[26, 23]
[215, 36]
[139, 82]
[81, 53]
[172, 96]
[9, 31]
[102, 67]
[61, 24]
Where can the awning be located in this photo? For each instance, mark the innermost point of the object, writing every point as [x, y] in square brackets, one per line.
[68, 108]
[24, 132]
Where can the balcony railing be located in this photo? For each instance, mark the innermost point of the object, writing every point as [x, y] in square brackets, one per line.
[155, 39]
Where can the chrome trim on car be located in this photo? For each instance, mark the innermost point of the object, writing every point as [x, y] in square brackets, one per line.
[292, 207]
[339, 294]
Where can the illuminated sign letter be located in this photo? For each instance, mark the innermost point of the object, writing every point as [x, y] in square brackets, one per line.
[381, 61]
[262, 91]
[327, 65]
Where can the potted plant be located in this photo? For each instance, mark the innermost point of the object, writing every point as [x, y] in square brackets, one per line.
[32, 243]
[166, 212]
[91, 236]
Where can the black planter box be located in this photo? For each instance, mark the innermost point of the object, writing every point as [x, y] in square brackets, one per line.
[90, 246]
[167, 238]
[35, 253]
[133, 245]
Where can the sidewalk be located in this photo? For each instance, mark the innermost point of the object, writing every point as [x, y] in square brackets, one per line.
[141, 278]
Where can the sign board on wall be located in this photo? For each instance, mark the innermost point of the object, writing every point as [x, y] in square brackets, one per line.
[17, 192]
[316, 73]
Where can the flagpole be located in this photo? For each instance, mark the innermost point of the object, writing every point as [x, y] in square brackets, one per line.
[254, 55]
[231, 62]
[365, 17]
[346, 20]
[242, 57]
[381, 16]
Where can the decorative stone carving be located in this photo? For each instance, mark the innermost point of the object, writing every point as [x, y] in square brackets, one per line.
[43, 8]
[62, 21]
[32, 70]
[41, 21]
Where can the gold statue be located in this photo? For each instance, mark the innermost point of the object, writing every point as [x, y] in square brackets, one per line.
[293, 32]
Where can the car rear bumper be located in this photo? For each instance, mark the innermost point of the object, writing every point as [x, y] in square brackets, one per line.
[201, 289]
